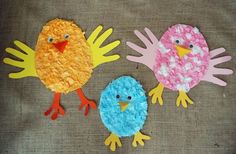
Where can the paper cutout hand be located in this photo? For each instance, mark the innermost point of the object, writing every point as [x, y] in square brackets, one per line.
[98, 52]
[212, 70]
[28, 63]
[148, 53]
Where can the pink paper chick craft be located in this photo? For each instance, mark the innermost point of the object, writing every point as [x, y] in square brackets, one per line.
[179, 60]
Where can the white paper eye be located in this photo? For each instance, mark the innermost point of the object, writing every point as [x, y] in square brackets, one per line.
[177, 41]
[50, 39]
[66, 36]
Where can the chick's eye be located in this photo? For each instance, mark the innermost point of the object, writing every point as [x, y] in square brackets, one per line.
[117, 96]
[190, 46]
[177, 41]
[66, 36]
[50, 39]
[129, 97]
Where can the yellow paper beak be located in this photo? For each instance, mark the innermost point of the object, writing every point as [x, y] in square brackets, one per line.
[123, 106]
[182, 51]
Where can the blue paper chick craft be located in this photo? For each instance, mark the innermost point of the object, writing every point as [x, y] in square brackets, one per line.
[123, 110]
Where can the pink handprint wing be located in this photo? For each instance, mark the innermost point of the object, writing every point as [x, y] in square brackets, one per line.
[212, 70]
[148, 53]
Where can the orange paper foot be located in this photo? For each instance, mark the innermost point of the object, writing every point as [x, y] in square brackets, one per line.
[56, 107]
[85, 102]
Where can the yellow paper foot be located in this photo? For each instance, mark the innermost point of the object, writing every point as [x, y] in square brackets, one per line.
[112, 140]
[156, 93]
[183, 99]
[139, 137]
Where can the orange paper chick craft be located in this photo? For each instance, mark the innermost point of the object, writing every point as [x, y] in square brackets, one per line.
[63, 60]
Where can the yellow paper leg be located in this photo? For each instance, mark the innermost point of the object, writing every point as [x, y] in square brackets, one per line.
[156, 93]
[112, 140]
[183, 99]
[139, 137]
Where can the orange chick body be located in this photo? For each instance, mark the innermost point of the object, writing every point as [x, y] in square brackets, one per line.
[63, 67]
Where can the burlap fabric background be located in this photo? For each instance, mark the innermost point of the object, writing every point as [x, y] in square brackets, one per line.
[207, 127]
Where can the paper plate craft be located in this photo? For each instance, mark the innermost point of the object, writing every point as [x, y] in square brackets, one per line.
[63, 60]
[179, 60]
[123, 110]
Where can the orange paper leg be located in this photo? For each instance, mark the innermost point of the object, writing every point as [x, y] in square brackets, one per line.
[56, 107]
[85, 102]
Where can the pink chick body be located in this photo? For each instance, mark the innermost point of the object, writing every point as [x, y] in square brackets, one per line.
[181, 73]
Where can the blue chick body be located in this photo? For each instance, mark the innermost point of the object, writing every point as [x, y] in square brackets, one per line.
[130, 121]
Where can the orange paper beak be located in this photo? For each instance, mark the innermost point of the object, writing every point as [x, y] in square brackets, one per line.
[182, 51]
[123, 106]
[61, 46]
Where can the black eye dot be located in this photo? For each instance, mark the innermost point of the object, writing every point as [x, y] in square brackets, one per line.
[190, 46]
[66, 36]
[177, 41]
[50, 39]
[117, 96]
[129, 97]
